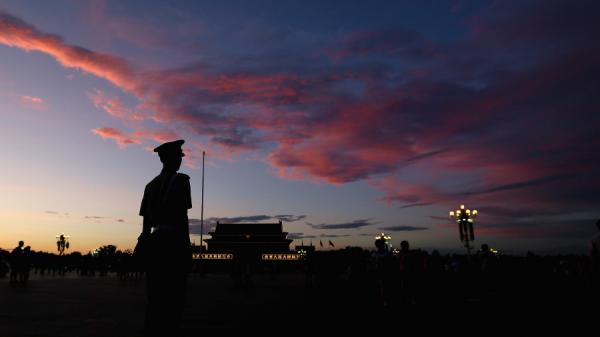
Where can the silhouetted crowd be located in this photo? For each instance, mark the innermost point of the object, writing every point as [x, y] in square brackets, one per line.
[22, 262]
[382, 278]
[407, 278]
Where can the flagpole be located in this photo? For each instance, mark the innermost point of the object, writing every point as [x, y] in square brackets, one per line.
[202, 209]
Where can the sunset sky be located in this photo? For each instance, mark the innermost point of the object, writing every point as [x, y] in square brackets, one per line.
[341, 118]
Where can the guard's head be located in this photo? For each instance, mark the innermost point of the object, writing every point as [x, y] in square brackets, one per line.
[404, 245]
[21, 243]
[170, 154]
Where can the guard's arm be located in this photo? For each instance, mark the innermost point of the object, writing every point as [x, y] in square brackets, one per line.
[147, 226]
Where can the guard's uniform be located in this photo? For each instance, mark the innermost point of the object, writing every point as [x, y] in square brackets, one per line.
[166, 201]
[164, 206]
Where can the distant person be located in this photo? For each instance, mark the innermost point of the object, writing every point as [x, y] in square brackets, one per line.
[164, 208]
[435, 277]
[435, 263]
[487, 259]
[383, 271]
[488, 270]
[410, 265]
[16, 260]
[25, 265]
[4, 267]
[595, 252]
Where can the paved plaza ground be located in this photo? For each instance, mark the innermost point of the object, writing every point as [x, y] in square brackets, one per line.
[106, 306]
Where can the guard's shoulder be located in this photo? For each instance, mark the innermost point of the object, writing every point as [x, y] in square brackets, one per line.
[183, 176]
[153, 181]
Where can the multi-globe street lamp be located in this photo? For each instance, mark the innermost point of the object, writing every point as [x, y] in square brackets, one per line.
[464, 219]
[386, 240]
[62, 243]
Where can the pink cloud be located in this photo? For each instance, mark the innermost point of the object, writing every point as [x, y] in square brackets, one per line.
[521, 136]
[114, 106]
[136, 137]
[15, 32]
[120, 138]
[156, 135]
[31, 99]
[34, 102]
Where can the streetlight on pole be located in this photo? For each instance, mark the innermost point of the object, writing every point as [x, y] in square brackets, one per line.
[62, 243]
[202, 210]
[385, 240]
[464, 219]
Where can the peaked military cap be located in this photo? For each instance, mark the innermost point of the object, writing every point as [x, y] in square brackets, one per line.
[173, 147]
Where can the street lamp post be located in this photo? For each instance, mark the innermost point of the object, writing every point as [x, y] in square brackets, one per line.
[62, 243]
[386, 239]
[464, 219]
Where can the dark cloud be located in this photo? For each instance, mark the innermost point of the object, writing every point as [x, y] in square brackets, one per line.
[404, 228]
[403, 43]
[334, 235]
[580, 229]
[298, 236]
[195, 222]
[416, 204]
[521, 184]
[61, 214]
[249, 218]
[515, 212]
[197, 229]
[347, 225]
[289, 217]
[211, 223]
[426, 155]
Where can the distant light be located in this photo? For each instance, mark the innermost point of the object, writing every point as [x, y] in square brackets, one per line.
[468, 211]
[383, 236]
[474, 212]
[281, 257]
[462, 206]
[213, 256]
[451, 213]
